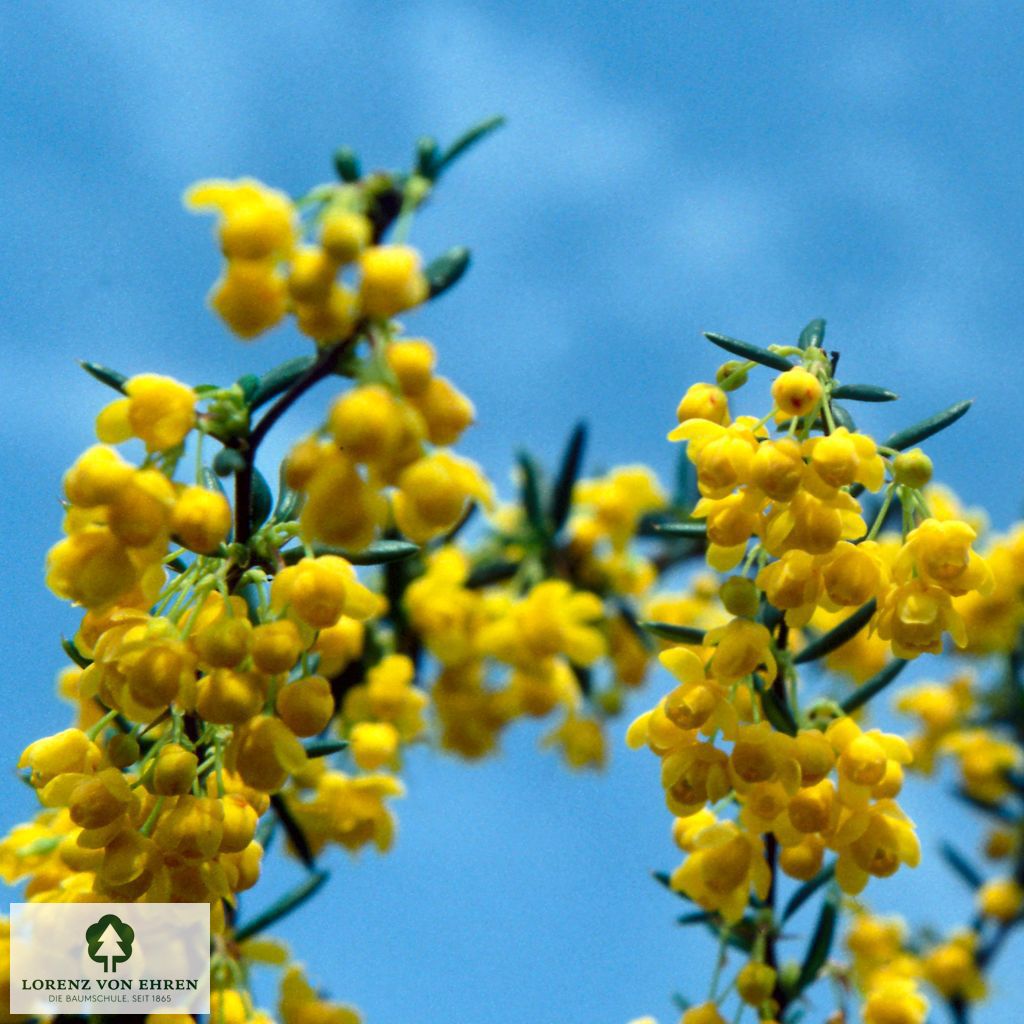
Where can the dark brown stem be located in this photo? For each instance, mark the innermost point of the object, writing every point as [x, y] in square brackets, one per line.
[324, 366]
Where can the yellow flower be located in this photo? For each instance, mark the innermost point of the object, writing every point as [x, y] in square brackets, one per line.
[344, 235]
[699, 703]
[725, 865]
[894, 999]
[391, 280]
[914, 615]
[432, 494]
[256, 222]
[723, 455]
[158, 410]
[873, 841]
[952, 968]
[299, 1003]
[843, 458]
[704, 402]
[201, 519]
[778, 469]
[796, 392]
[741, 647]
[1000, 898]
[940, 552]
[731, 522]
[794, 584]
[250, 297]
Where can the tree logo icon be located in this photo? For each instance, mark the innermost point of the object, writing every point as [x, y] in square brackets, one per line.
[109, 942]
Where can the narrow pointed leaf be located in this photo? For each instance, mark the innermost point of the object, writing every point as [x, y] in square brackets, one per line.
[685, 494]
[228, 461]
[842, 417]
[491, 572]
[926, 428]
[697, 917]
[846, 630]
[262, 500]
[293, 830]
[529, 494]
[807, 890]
[380, 552]
[466, 140]
[568, 473]
[813, 335]
[967, 872]
[875, 685]
[288, 501]
[678, 634]
[278, 380]
[428, 155]
[697, 529]
[775, 710]
[821, 943]
[74, 653]
[446, 270]
[748, 351]
[104, 375]
[250, 384]
[998, 811]
[864, 393]
[324, 748]
[282, 907]
[346, 164]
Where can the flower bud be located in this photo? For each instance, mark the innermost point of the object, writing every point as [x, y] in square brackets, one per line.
[912, 469]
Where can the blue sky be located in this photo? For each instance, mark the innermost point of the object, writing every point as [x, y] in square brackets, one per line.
[668, 168]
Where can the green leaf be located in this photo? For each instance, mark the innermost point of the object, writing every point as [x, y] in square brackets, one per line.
[678, 634]
[380, 552]
[696, 917]
[446, 270]
[250, 384]
[428, 155]
[323, 748]
[775, 710]
[568, 473]
[488, 573]
[293, 830]
[697, 529]
[465, 141]
[278, 380]
[813, 335]
[529, 494]
[685, 494]
[875, 685]
[262, 500]
[289, 502]
[346, 164]
[846, 630]
[104, 375]
[807, 890]
[864, 393]
[228, 461]
[282, 907]
[74, 653]
[842, 417]
[747, 351]
[926, 428]
[821, 943]
[967, 872]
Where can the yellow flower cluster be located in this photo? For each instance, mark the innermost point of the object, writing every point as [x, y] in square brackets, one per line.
[388, 437]
[269, 271]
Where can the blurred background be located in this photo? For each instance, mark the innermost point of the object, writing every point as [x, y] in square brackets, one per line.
[667, 168]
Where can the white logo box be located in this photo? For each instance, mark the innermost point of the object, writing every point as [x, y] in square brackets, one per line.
[82, 958]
